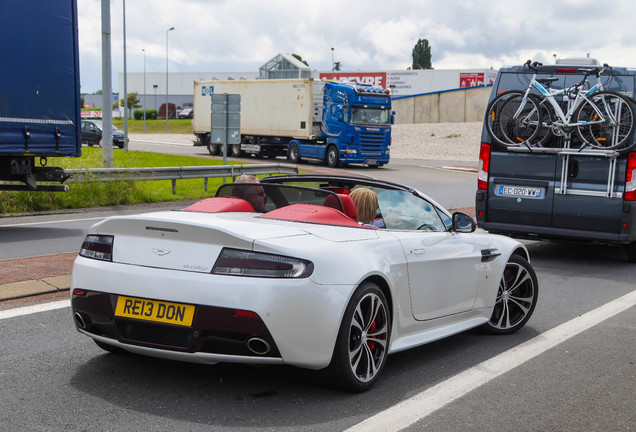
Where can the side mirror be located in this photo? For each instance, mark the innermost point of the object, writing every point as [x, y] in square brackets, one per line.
[463, 223]
[392, 117]
[340, 113]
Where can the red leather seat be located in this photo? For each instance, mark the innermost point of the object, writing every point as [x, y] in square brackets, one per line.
[220, 205]
[347, 204]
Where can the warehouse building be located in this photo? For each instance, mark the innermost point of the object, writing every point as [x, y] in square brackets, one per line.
[411, 90]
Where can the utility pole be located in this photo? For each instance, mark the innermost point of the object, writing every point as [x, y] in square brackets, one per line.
[125, 87]
[167, 31]
[107, 89]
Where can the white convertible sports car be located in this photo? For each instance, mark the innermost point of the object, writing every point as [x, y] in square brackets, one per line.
[280, 272]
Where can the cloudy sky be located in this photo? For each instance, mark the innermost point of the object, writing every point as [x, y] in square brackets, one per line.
[370, 35]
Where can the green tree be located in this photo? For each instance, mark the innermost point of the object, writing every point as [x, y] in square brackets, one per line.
[133, 102]
[422, 55]
[299, 58]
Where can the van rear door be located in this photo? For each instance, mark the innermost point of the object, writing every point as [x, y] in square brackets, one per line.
[555, 192]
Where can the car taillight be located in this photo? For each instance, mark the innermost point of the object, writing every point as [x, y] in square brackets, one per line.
[484, 167]
[237, 262]
[98, 247]
[630, 178]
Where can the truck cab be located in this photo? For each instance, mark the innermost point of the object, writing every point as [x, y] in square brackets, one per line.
[559, 191]
[356, 124]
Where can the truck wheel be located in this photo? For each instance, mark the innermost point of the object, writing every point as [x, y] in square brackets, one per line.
[235, 150]
[213, 149]
[332, 157]
[293, 154]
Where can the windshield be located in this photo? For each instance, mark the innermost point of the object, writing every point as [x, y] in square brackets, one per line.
[367, 115]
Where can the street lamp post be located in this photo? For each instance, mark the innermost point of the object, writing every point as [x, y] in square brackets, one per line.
[125, 86]
[333, 65]
[171, 28]
[144, 104]
[154, 86]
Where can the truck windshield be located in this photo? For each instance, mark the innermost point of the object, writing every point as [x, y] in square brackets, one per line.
[366, 115]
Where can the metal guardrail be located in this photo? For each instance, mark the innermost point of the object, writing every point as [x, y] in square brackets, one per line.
[87, 175]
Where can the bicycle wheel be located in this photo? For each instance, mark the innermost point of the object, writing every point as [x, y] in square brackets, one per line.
[606, 121]
[493, 124]
[545, 131]
[521, 121]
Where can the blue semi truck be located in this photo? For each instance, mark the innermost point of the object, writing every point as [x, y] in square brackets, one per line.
[339, 123]
[39, 92]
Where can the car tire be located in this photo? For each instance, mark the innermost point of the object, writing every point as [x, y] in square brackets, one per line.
[516, 297]
[110, 348]
[293, 153]
[332, 158]
[99, 143]
[358, 358]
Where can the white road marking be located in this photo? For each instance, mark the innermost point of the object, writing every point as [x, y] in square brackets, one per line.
[425, 403]
[412, 410]
[28, 310]
[53, 221]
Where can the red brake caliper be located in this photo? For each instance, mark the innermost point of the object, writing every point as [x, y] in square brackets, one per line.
[371, 345]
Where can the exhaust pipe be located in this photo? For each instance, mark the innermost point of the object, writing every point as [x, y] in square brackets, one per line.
[79, 319]
[258, 346]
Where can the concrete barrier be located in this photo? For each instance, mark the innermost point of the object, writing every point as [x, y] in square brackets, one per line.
[460, 105]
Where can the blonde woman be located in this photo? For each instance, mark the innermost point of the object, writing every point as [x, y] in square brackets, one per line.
[366, 202]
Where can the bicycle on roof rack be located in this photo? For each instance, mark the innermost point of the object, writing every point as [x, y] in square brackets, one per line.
[601, 119]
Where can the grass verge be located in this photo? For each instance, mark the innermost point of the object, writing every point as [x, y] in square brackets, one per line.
[175, 126]
[114, 193]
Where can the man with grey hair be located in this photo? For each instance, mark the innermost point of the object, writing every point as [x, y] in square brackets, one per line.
[252, 193]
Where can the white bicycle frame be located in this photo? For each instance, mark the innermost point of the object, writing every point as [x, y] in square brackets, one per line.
[572, 107]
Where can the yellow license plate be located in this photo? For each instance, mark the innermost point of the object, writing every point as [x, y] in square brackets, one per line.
[154, 310]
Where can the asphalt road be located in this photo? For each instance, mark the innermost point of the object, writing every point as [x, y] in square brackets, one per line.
[53, 378]
[579, 377]
[59, 233]
[451, 188]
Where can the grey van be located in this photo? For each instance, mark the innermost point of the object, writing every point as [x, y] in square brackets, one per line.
[559, 191]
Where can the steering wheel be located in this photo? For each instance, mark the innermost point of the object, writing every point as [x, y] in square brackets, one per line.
[426, 226]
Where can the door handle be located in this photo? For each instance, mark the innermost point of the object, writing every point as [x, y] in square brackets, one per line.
[418, 251]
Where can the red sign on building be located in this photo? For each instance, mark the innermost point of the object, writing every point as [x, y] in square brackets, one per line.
[372, 78]
[471, 79]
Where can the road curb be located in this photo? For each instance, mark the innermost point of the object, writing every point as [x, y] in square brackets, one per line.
[28, 288]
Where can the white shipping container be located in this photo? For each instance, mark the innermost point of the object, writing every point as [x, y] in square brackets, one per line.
[279, 108]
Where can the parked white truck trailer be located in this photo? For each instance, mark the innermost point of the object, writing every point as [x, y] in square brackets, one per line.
[337, 122]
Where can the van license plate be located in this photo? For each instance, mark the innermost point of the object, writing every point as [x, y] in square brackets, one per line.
[520, 191]
[153, 310]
